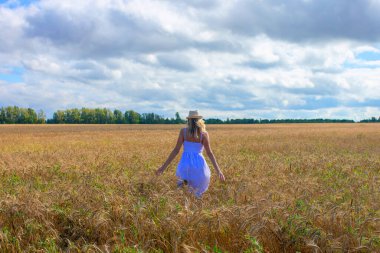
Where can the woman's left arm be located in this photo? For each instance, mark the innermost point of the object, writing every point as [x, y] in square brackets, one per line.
[173, 154]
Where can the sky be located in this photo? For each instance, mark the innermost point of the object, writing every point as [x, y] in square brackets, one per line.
[228, 59]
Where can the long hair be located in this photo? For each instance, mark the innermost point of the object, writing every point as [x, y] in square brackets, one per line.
[196, 127]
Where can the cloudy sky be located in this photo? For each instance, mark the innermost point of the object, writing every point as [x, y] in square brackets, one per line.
[237, 58]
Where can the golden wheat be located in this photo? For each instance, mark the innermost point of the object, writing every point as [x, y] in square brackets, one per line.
[92, 188]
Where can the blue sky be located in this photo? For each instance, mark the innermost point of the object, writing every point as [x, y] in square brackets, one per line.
[369, 56]
[310, 59]
[12, 75]
[16, 3]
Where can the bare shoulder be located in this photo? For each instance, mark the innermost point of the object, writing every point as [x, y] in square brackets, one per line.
[205, 134]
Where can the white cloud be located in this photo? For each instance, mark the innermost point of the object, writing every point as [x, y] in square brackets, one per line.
[225, 58]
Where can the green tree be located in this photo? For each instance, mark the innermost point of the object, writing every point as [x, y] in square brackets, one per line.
[110, 117]
[11, 114]
[132, 117]
[2, 115]
[59, 117]
[88, 116]
[23, 116]
[119, 117]
[32, 116]
[178, 119]
[41, 117]
[73, 116]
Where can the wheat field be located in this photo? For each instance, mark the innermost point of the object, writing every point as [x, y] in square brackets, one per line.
[92, 188]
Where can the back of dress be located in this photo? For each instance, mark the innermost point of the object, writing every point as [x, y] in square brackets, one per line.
[192, 147]
[193, 167]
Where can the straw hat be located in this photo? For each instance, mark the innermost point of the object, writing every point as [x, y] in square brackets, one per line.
[194, 115]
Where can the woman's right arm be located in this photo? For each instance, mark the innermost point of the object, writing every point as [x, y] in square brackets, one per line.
[173, 154]
[210, 154]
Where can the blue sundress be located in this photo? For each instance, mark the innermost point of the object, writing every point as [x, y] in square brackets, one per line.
[193, 167]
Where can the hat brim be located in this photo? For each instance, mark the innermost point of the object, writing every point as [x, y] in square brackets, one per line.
[194, 117]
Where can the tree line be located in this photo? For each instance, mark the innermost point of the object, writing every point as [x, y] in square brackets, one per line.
[276, 121]
[373, 119]
[107, 116]
[17, 115]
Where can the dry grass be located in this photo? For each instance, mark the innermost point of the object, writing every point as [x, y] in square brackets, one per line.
[91, 188]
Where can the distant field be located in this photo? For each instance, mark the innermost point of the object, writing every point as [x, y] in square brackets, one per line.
[92, 188]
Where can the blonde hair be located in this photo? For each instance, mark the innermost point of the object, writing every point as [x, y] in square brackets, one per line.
[196, 127]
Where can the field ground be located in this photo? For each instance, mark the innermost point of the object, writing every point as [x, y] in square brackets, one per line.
[92, 188]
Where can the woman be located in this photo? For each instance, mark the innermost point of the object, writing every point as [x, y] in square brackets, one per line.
[192, 168]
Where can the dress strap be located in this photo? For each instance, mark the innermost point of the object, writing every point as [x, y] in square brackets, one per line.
[184, 134]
